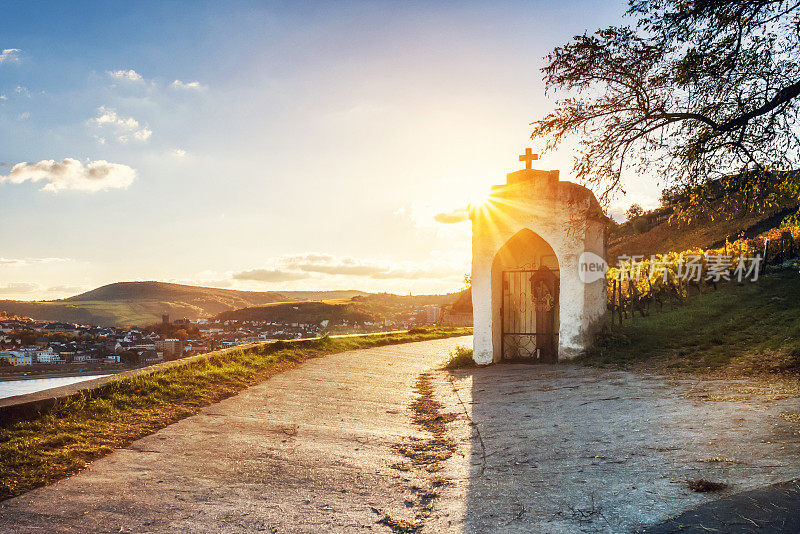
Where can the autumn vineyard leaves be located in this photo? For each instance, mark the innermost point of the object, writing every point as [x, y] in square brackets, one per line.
[642, 285]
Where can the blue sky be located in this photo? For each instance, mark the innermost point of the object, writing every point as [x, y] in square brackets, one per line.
[263, 146]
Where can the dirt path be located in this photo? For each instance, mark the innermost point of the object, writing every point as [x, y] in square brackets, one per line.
[379, 440]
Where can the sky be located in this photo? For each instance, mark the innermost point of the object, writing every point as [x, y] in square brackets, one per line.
[265, 146]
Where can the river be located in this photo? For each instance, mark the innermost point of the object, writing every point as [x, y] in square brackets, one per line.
[9, 388]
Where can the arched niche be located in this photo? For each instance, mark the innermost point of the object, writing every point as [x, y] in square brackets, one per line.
[525, 288]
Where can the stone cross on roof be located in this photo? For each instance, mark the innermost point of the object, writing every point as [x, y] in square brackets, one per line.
[528, 157]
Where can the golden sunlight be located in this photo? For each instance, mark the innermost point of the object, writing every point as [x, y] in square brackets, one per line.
[477, 195]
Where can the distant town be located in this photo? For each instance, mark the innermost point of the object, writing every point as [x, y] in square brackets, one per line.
[51, 346]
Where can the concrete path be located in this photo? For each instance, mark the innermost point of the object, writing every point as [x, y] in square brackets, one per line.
[308, 450]
[569, 449]
[379, 440]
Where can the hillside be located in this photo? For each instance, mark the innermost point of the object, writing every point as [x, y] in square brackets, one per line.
[302, 312]
[138, 303]
[654, 233]
[178, 292]
[360, 308]
[739, 330]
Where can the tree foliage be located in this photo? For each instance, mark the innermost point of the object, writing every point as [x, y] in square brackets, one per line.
[634, 211]
[694, 90]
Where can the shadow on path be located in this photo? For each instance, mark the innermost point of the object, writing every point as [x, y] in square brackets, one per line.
[561, 448]
[774, 509]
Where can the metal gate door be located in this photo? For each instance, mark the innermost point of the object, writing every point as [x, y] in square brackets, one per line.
[529, 315]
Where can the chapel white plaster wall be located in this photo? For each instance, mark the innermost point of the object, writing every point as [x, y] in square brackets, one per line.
[549, 209]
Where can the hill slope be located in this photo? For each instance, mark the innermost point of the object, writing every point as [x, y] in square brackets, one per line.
[138, 303]
[653, 233]
[372, 307]
[302, 312]
[748, 329]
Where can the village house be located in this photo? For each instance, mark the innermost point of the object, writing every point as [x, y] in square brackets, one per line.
[15, 357]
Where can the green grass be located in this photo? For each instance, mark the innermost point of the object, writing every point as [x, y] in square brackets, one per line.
[373, 308]
[459, 358]
[748, 329]
[116, 312]
[92, 424]
[104, 313]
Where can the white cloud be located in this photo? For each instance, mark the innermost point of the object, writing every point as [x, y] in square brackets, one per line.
[178, 152]
[451, 217]
[299, 267]
[72, 174]
[24, 116]
[143, 134]
[22, 91]
[10, 55]
[16, 288]
[23, 262]
[108, 118]
[3, 97]
[70, 290]
[269, 275]
[196, 86]
[122, 74]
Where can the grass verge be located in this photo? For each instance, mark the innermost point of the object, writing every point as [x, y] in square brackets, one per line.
[747, 330]
[459, 358]
[87, 426]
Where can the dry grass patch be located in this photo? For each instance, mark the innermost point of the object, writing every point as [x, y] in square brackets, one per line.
[426, 455]
[399, 526]
[792, 417]
[716, 460]
[759, 388]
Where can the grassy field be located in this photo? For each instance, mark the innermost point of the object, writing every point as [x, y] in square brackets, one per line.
[334, 310]
[114, 312]
[62, 442]
[372, 308]
[83, 312]
[739, 330]
[107, 313]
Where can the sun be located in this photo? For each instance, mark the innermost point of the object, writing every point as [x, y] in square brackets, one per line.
[477, 196]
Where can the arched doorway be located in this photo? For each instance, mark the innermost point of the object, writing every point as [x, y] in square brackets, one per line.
[525, 300]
